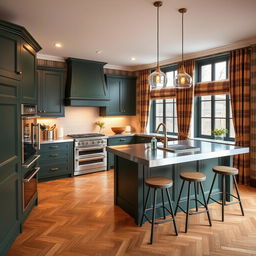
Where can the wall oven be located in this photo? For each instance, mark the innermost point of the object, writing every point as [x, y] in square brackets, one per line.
[29, 187]
[30, 135]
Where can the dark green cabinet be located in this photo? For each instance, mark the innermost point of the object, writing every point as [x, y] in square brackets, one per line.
[50, 83]
[28, 82]
[140, 139]
[56, 160]
[122, 94]
[17, 72]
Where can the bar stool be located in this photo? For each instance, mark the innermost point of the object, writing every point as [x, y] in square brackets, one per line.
[195, 177]
[225, 171]
[161, 183]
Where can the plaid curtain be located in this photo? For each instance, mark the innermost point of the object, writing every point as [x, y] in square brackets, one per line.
[212, 88]
[253, 119]
[144, 91]
[240, 101]
[165, 93]
[184, 103]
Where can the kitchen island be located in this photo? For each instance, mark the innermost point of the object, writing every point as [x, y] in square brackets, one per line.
[136, 162]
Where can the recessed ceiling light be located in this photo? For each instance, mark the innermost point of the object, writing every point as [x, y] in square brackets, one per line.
[99, 51]
[133, 58]
[58, 45]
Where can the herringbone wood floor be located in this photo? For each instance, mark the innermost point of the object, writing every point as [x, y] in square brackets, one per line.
[76, 217]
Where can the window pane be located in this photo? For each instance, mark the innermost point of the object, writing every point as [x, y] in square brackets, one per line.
[206, 108]
[158, 121]
[220, 109]
[230, 109]
[159, 110]
[220, 97]
[169, 124]
[220, 123]
[169, 100]
[206, 97]
[206, 126]
[206, 73]
[232, 131]
[170, 79]
[169, 109]
[175, 125]
[220, 70]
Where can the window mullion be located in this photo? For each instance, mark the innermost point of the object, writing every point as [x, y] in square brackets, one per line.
[213, 114]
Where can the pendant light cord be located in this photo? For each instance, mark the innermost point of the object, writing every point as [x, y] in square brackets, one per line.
[182, 40]
[157, 35]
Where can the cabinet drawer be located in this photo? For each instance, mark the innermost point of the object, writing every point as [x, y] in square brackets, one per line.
[140, 139]
[54, 156]
[121, 140]
[53, 147]
[52, 170]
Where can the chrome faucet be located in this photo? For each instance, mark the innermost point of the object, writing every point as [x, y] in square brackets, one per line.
[165, 140]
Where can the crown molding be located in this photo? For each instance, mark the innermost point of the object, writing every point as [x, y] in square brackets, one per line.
[49, 57]
[124, 68]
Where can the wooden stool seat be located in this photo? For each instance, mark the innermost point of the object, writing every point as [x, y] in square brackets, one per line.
[159, 182]
[193, 176]
[226, 170]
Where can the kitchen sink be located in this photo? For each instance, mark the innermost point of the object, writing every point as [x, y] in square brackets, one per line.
[179, 148]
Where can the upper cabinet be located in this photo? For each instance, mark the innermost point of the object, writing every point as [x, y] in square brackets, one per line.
[50, 91]
[18, 59]
[28, 82]
[10, 65]
[122, 93]
[86, 84]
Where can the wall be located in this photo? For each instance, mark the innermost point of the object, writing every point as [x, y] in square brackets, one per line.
[82, 120]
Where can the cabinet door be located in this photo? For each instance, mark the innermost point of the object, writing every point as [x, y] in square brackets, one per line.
[51, 93]
[10, 55]
[128, 96]
[114, 92]
[10, 190]
[28, 83]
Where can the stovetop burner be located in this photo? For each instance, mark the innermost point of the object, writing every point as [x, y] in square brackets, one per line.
[86, 135]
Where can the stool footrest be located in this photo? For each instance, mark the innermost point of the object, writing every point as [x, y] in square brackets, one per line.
[192, 213]
[220, 192]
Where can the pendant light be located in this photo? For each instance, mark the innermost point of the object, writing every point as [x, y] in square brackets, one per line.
[157, 78]
[183, 79]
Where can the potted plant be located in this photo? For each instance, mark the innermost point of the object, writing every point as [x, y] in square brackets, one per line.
[100, 124]
[219, 134]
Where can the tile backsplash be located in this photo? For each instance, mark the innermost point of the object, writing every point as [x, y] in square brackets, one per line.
[82, 120]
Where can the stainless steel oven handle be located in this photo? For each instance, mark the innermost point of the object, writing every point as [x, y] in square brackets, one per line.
[88, 149]
[33, 134]
[88, 159]
[38, 137]
[36, 157]
[32, 175]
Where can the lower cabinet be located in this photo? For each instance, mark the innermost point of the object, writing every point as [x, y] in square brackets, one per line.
[56, 160]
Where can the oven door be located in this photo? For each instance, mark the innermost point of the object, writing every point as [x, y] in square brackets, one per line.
[30, 187]
[88, 164]
[90, 152]
[30, 138]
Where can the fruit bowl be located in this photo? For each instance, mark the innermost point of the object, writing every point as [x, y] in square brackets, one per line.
[118, 130]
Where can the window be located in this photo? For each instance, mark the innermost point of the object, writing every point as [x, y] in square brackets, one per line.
[164, 111]
[213, 69]
[213, 112]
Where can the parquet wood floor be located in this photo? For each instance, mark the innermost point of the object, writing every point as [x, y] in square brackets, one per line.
[77, 217]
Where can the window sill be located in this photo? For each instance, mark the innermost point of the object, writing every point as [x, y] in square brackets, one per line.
[216, 141]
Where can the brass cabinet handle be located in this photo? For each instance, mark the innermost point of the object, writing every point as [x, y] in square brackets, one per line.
[53, 155]
[19, 72]
[122, 139]
[53, 146]
[54, 169]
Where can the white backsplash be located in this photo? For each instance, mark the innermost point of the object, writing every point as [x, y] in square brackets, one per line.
[82, 120]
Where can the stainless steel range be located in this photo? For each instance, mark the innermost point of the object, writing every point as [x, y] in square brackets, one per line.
[89, 153]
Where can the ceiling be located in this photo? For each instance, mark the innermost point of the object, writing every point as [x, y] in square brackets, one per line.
[122, 29]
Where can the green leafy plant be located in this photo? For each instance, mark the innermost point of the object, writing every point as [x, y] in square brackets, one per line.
[220, 132]
[100, 124]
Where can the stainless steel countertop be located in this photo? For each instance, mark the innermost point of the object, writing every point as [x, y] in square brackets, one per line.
[142, 153]
[58, 140]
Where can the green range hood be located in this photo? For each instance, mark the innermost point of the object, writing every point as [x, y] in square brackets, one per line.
[86, 84]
